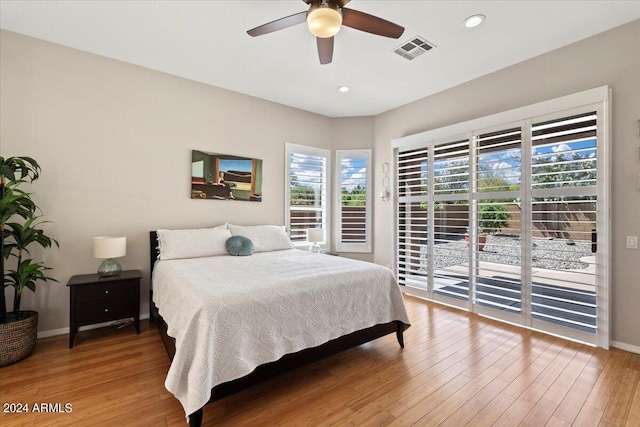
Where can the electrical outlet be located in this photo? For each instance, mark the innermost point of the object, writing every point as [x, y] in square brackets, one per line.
[632, 242]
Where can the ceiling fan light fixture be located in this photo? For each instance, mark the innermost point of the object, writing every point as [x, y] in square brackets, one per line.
[324, 19]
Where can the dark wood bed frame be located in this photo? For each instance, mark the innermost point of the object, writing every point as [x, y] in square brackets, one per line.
[286, 363]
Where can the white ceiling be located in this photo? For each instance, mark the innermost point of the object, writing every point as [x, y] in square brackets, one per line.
[206, 41]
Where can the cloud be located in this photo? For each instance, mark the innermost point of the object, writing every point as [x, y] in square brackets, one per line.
[510, 172]
[561, 147]
[512, 176]
[501, 165]
[306, 171]
[356, 178]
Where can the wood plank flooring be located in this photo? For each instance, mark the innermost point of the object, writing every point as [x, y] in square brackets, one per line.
[456, 369]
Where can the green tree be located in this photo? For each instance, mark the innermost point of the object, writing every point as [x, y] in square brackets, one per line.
[452, 179]
[302, 195]
[493, 182]
[354, 197]
[493, 217]
[563, 170]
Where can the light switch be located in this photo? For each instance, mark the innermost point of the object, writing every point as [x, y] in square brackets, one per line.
[632, 242]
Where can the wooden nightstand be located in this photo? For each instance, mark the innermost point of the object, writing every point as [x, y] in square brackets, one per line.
[95, 299]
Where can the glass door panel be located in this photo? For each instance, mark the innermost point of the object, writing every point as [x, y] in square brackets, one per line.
[564, 290]
[450, 251]
[450, 221]
[497, 255]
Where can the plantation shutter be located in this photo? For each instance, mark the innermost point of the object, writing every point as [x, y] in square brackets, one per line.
[564, 173]
[306, 191]
[353, 207]
[451, 184]
[496, 268]
[412, 217]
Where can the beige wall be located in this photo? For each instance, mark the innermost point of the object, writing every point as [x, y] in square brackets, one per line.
[114, 141]
[611, 58]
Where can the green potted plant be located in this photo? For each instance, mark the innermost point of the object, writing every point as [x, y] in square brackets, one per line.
[19, 230]
[493, 217]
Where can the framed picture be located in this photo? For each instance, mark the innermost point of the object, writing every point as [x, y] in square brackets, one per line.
[224, 177]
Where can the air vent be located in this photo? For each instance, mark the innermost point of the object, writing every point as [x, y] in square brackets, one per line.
[413, 48]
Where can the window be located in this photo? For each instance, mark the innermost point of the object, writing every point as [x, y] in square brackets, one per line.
[306, 193]
[353, 196]
[197, 169]
[507, 216]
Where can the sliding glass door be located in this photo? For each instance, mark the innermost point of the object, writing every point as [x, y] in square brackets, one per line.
[509, 222]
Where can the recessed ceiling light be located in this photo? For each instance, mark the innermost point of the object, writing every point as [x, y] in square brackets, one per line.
[344, 89]
[474, 21]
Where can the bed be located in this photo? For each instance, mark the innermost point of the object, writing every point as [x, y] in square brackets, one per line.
[228, 322]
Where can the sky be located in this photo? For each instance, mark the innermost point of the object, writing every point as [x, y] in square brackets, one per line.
[235, 165]
[507, 163]
[306, 168]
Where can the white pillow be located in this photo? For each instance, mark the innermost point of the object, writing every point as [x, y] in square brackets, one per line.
[193, 243]
[265, 238]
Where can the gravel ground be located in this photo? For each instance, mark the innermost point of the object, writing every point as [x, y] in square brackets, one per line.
[547, 253]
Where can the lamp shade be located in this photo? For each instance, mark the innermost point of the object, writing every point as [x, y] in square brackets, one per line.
[109, 247]
[324, 20]
[315, 235]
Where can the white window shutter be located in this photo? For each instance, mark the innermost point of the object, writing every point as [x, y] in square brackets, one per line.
[353, 200]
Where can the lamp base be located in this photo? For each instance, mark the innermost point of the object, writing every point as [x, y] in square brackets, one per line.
[109, 267]
[315, 248]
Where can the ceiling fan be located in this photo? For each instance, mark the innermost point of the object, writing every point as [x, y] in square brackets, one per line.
[324, 19]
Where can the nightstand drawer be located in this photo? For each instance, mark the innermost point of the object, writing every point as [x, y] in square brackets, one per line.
[107, 291]
[104, 311]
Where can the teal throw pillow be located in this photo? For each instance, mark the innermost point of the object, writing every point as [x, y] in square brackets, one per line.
[239, 246]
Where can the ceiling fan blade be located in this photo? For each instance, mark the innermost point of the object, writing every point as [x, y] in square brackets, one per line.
[370, 24]
[325, 49]
[279, 24]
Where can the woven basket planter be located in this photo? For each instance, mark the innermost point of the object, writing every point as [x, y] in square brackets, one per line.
[18, 339]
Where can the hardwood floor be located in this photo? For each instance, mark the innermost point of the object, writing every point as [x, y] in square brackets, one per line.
[456, 369]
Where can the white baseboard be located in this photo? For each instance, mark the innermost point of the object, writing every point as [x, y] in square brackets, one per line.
[65, 331]
[625, 346]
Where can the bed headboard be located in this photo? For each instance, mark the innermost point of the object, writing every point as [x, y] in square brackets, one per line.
[153, 249]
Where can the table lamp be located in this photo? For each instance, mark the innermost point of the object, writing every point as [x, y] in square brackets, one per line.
[315, 235]
[107, 248]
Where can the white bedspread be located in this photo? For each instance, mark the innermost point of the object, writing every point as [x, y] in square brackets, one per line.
[230, 314]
